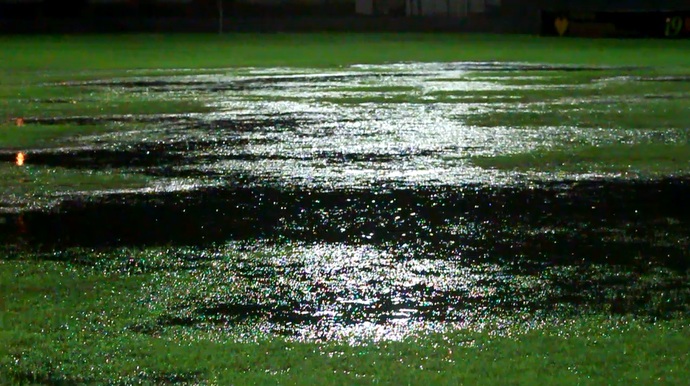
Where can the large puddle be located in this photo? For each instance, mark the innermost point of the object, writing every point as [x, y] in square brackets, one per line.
[330, 204]
[359, 127]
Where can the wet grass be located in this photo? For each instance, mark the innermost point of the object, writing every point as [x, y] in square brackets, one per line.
[556, 289]
[322, 50]
[375, 88]
[628, 98]
[232, 312]
[378, 99]
[38, 98]
[643, 159]
[105, 106]
[650, 114]
[569, 89]
[39, 181]
[39, 103]
[42, 135]
[674, 74]
[43, 78]
[536, 90]
[75, 322]
[616, 109]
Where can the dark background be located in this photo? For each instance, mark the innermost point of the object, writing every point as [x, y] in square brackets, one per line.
[617, 18]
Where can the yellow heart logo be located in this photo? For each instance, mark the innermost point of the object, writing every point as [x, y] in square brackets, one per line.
[561, 25]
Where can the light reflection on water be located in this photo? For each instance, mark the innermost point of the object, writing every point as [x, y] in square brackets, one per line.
[346, 219]
[322, 128]
[338, 291]
[390, 291]
[359, 126]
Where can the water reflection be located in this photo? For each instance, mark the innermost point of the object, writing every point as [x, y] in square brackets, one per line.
[312, 206]
[312, 264]
[363, 126]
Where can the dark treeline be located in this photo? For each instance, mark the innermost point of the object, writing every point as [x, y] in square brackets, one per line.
[595, 18]
[31, 9]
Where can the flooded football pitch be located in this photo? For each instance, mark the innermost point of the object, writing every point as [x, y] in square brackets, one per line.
[328, 204]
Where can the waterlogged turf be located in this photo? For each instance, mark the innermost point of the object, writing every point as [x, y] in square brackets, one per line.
[313, 264]
[402, 124]
[349, 215]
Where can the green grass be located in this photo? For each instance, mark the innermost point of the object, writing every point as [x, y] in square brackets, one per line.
[641, 114]
[41, 135]
[35, 71]
[92, 317]
[106, 106]
[31, 181]
[46, 101]
[647, 159]
[74, 53]
[540, 90]
[28, 60]
[73, 322]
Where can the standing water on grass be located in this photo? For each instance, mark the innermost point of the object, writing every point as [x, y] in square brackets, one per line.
[358, 202]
